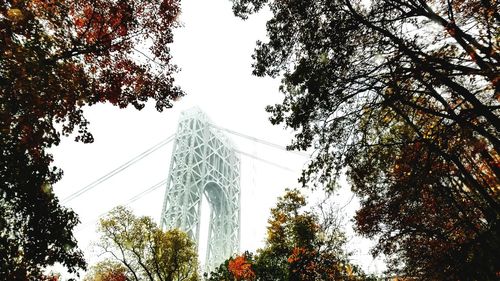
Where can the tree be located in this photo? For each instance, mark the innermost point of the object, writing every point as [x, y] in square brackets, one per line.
[404, 96]
[238, 268]
[298, 247]
[146, 251]
[107, 271]
[241, 268]
[57, 57]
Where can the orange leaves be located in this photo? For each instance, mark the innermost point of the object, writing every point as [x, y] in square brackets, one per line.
[297, 252]
[46, 9]
[114, 276]
[80, 23]
[57, 57]
[241, 268]
[15, 14]
[106, 271]
[103, 23]
[302, 250]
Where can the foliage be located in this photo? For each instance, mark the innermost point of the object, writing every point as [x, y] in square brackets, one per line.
[43, 237]
[241, 268]
[221, 273]
[55, 58]
[404, 95]
[51, 277]
[146, 251]
[298, 247]
[107, 271]
[237, 268]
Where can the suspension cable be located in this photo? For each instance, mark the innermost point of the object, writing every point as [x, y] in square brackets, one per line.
[118, 169]
[277, 146]
[265, 161]
[168, 140]
[128, 202]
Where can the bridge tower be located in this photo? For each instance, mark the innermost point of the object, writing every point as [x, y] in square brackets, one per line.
[204, 163]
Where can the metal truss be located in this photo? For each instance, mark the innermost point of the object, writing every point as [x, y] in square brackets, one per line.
[204, 163]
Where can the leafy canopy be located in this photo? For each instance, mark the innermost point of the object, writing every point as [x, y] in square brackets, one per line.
[107, 271]
[57, 56]
[404, 96]
[299, 246]
[144, 251]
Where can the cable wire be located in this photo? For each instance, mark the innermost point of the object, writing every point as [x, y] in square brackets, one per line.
[118, 169]
[304, 154]
[264, 160]
[128, 202]
[145, 192]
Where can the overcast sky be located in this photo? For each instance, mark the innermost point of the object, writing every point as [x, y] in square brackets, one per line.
[213, 50]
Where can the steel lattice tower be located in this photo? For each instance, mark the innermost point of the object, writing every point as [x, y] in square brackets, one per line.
[204, 163]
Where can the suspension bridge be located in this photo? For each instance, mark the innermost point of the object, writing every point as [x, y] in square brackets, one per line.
[204, 162]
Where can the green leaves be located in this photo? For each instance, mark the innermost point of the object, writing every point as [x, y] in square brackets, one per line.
[144, 250]
[402, 96]
[299, 246]
[55, 58]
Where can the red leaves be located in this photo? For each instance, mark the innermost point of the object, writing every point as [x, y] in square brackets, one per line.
[297, 254]
[110, 32]
[114, 276]
[169, 10]
[58, 56]
[95, 24]
[241, 268]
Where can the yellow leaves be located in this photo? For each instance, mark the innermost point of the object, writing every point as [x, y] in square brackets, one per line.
[46, 188]
[349, 270]
[430, 127]
[106, 270]
[323, 58]
[427, 135]
[15, 14]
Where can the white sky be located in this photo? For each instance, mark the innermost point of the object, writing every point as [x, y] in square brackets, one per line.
[213, 50]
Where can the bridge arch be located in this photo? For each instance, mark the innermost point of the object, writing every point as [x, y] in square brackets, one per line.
[204, 163]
